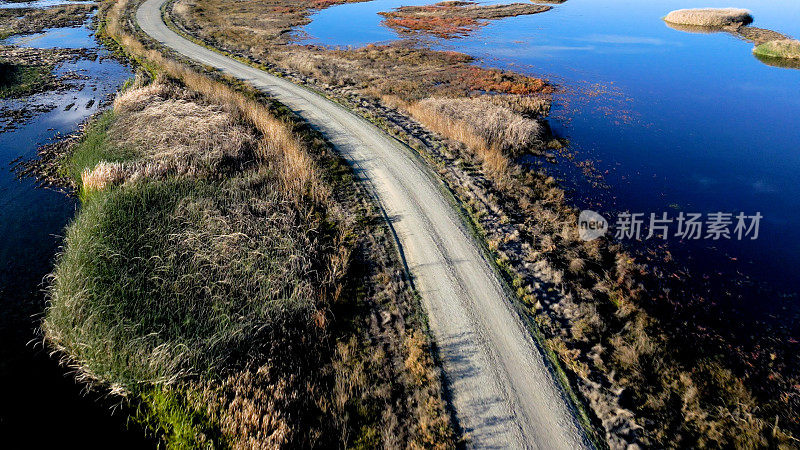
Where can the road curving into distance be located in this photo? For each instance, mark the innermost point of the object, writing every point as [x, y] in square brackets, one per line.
[501, 390]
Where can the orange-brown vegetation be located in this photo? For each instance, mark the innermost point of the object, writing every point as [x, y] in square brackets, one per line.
[453, 18]
[444, 27]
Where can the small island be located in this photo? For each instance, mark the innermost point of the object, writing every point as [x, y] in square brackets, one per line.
[710, 17]
[779, 48]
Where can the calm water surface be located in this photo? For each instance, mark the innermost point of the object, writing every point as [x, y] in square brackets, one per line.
[675, 121]
[41, 406]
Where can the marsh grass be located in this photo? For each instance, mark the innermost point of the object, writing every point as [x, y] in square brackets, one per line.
[781, 49]
[652, 380]
[496, 124]
[222, 261]
[489, 126]
[92, 149]
[710, 17]
[162, 264]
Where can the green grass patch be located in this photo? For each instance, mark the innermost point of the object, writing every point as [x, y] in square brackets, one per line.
[782, 48]
[93, 148]
[20, 80]
[165, 279]
[169, 414]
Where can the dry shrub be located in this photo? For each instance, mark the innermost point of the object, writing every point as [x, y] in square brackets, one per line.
[417, 361]
[710, 17]
[250, 407]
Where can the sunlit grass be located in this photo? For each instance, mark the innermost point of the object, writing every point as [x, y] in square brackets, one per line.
[783, 48]
[710, 17]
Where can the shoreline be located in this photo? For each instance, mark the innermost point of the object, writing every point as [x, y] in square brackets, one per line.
[35, 217]
[406, 132]
[389, 305]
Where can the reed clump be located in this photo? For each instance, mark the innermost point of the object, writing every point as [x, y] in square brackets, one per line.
[497, 125]
[488, 126]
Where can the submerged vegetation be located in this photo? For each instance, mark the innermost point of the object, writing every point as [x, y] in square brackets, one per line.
[26, 71]
[34, 20]
[226, 275]
[17, 80]
[710, 17]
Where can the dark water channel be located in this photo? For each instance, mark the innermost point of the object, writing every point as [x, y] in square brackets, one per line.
[41, 406]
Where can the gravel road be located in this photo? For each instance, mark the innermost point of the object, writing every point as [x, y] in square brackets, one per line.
[501, 389]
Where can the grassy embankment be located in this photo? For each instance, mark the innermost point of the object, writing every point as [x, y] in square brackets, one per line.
[621, 327]
[226, 274]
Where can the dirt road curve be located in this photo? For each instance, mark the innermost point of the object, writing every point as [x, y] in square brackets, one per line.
[502, 392]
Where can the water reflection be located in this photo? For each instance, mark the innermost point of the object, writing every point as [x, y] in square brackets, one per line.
[657, 111]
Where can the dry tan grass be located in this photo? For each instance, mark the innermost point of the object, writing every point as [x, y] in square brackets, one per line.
[103, 175]
[710, 17]
[781, 48]
[279, 145]
[496, 124]
[489, 128]
[493, 160]
[177, 134]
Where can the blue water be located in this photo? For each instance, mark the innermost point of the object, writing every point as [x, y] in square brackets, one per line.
[41, 4]
[675, 121]
[54, 38]
[41, 406]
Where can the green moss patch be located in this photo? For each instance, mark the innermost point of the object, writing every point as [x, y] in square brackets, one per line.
[21, 80]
